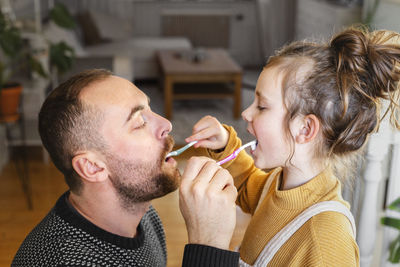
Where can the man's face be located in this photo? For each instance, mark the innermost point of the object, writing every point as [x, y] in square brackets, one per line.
[137, 141]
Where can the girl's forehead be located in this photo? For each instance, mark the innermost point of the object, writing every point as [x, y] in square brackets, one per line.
[269, 82]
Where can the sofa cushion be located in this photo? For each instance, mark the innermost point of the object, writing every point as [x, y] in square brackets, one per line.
[112, 27]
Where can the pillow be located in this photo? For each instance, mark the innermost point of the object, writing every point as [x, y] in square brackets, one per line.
[112, 27]
[90, 32]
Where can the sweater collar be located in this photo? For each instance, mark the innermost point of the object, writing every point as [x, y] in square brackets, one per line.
[306, 194]
[67, 212]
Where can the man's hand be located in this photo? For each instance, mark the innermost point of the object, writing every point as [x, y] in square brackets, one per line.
[209, 133]
[207, 202]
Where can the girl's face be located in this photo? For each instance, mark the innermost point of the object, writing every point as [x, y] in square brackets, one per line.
[265, 118]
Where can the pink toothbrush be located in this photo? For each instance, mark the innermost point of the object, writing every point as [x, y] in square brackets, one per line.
[236, 152]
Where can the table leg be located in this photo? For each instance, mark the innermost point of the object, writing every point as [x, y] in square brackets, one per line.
[237, 99]
[168, 97]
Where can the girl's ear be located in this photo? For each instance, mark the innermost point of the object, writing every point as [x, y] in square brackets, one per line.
[90, 167]
[308, 129]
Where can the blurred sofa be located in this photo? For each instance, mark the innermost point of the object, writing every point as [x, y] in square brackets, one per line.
[102, 41]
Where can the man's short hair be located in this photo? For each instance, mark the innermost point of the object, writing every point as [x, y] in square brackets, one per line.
[67, 124]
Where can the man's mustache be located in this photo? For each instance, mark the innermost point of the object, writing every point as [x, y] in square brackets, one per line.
[168, 145]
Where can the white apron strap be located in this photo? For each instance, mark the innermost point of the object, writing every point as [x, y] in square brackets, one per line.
[285, 233]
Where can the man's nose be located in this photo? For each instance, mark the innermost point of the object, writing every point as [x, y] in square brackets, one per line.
[163, 126]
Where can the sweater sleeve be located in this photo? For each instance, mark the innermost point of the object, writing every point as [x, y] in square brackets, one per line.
[196, 255]
[249, 180]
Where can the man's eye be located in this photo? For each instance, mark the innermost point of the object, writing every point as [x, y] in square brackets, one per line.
[143, 121]
[141, 126]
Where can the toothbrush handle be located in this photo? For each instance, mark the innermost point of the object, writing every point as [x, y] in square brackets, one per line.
[228, 158]
[235, 153]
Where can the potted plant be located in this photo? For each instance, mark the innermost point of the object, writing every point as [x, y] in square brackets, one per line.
[394, 253]
[14, 55]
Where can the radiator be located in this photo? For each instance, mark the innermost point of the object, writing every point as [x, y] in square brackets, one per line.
[202, 28]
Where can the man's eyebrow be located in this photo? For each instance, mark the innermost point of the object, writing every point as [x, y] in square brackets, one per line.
[133, 112]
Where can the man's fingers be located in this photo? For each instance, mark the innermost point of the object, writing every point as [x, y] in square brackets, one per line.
[222, 182]
[207, 173]
[221, 179]
[231, 191]
[193, 167]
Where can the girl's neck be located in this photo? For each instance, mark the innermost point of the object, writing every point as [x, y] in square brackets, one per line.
[293, 177]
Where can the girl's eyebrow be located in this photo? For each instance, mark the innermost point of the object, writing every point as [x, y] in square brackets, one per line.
[263, 97]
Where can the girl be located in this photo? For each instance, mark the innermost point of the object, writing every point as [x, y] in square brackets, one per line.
[314, 107]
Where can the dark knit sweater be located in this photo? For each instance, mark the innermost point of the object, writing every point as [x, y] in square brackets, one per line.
[66, 238]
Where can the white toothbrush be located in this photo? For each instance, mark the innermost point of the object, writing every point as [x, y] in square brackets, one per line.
[253, 145]
[179, 151]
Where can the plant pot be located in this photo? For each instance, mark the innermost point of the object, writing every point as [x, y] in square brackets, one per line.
[10, 97]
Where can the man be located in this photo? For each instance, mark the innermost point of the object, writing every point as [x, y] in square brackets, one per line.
[102, 135]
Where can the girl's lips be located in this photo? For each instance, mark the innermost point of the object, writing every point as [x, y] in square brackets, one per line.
[252, 152]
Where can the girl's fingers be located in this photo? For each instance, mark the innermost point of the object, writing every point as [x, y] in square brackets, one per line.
[205, 134]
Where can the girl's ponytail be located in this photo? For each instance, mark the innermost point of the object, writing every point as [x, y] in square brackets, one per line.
[370, 64]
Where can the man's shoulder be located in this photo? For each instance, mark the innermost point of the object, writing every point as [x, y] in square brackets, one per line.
[45, 241]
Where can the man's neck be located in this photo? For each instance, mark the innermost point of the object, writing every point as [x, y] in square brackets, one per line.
[107, 213]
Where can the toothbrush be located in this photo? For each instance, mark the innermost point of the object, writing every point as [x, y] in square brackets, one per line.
[179, 151]
[236, 152]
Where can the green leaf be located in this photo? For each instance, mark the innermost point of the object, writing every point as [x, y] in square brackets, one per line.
[61, 56]
[392, 222]
[11, 41]
[37, 67]
[395, 205]
[394, 255]
[61, 16]
[3, 23]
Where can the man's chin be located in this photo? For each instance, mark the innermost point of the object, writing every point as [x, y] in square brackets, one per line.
[171, 179]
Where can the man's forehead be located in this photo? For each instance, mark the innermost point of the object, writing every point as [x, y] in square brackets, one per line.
[112, 90]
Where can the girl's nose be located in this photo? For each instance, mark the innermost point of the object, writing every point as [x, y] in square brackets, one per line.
[246, 114]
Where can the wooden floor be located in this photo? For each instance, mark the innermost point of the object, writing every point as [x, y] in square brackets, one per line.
[47, 184]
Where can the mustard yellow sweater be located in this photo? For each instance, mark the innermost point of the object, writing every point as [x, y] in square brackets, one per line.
[324, 240]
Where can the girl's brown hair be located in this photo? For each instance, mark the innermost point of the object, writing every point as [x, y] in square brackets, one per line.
[343, 85]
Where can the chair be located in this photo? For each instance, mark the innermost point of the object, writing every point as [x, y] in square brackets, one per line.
[20, 156]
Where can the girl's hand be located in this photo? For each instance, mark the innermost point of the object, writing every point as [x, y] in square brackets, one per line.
[209, 133]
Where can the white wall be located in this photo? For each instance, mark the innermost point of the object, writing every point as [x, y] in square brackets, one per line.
[318, 20]
[387, 16]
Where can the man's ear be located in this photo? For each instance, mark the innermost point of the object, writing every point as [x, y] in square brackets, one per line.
[90, 167]
[308, 129]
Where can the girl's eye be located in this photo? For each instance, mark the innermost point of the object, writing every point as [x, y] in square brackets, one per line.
[261, 108]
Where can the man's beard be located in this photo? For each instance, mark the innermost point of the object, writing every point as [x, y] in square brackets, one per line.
[137, 182]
